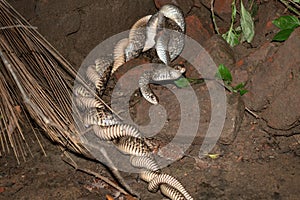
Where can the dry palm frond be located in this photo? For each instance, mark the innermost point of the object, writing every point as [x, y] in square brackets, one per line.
[36, 78]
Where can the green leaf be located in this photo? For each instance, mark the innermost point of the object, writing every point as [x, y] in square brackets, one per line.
[283, 35]
[231, 37]
[233, 11]
[224, 74]
[247, 24]
[239, 86]
[182, 83]
[243, 91]
[296, 1]
[287, 22]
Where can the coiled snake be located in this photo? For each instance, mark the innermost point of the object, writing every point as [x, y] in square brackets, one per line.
[146, 33]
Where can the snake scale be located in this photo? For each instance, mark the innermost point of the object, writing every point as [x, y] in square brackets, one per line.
[146, 33]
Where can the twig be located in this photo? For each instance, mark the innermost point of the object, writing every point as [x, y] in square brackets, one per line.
[213, 16]
[73, 164]
[17, 26]
[25, 98]
[117, 174]
[198, 5]
[48, 122]
[220, 82]
[252, 113]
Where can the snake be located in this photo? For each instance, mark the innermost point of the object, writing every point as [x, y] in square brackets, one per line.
[161, 74]
[145, 34]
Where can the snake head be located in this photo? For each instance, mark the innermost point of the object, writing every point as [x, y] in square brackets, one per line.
[151, 98]
[177, 71]
[181, 69]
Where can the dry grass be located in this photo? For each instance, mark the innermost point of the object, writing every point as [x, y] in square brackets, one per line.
[35, 82]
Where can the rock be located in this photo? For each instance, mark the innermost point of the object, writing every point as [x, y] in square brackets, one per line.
[264, 29]
[284, 111]
[223, 7]
[239, 76]
[91, 22]
[220, 51]
[254, 58]
[234, 117]
[273, 76]
[274, 88]
[70, 23]
[196, 30]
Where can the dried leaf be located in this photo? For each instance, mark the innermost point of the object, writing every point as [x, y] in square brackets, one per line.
[213, 156]
[108, 197]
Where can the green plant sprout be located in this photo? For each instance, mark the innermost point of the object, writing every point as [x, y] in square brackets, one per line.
[232, 36]
[223, 74]
[244, 32]
[286, 24]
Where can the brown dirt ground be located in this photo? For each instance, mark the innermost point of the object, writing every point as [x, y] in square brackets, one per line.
[257, 165]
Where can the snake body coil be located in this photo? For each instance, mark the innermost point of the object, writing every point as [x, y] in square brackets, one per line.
[137, 38]
[144, 162]
[133, 146]
[100, 117]
[116, 131]
[88, 102]
[154, 25]
[119, 55]
[107, 126]
[174, 13]
[145, 89]
[80, 90]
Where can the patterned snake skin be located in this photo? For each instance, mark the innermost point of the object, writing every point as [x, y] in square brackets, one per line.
[145, 34]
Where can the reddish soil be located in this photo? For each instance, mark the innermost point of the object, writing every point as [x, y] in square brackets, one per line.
[261, 159]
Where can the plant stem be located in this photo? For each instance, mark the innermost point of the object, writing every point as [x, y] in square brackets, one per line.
[213, 16]
[232, 15]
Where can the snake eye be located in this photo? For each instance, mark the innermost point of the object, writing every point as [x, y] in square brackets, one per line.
[153, 99]
[180, 68]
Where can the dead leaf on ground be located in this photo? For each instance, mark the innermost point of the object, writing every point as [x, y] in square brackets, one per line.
[108, 197]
